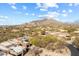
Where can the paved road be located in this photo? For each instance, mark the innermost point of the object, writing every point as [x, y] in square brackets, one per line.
[74, 51]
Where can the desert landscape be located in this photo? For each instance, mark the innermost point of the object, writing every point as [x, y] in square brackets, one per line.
[45, 36]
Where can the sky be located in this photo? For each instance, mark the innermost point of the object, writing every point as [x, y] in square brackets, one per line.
[19, 13]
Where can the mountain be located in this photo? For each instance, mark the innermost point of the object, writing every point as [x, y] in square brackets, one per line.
[46, 22]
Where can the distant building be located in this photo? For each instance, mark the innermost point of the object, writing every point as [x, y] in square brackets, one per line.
[16, 50]
[25, 38]
[15, 46]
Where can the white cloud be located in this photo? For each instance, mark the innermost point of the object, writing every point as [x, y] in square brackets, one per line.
[24, 7]
[33, 14]
[40, 15]
[51, 5]
[14, 7]
[42, 6]
[50, 14]
[38, 4]
[70, 4]
[45, 6]
[70, 10]
[26, 14]
[43, 9]
[65, 14]
[64, 11]
[3, 17]
[53, 14]
[6, 17]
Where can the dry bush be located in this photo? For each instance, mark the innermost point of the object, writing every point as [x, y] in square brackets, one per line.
[76, 41]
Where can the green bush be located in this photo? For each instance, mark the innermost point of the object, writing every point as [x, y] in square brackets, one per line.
[43, 41]
[34, 41]
[50, 38]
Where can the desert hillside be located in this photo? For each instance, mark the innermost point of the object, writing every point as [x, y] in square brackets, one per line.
[47, 35]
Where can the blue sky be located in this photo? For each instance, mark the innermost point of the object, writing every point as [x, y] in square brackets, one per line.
[19, 13]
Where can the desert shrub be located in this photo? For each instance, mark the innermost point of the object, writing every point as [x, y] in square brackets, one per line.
[37, 41]
[43, 41]
[43, 32]
[34, 41]
[70, 29]
[76, 41]
[50, 38]
[57, 45]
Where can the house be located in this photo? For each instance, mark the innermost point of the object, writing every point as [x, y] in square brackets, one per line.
[25, 38]
[16, 50]
[15, 46]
